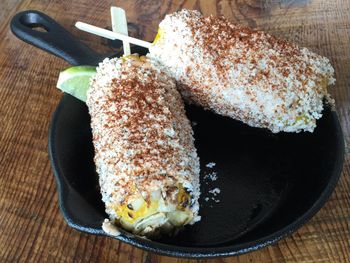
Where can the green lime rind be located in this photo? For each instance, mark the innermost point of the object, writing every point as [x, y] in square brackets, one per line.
[76, 81]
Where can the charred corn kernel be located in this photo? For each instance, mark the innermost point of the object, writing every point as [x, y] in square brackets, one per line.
[144, 151]
[246, 74]
[183, 199]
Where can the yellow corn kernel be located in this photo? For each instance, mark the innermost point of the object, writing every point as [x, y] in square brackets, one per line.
[159, 35]
[126, 214]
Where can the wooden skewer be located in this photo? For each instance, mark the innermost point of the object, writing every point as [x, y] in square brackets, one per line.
[110, 34]
[120, 25]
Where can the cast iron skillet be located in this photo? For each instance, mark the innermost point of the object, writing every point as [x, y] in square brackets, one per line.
[270, 184]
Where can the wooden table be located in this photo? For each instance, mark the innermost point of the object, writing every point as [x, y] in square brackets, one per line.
[32, 228]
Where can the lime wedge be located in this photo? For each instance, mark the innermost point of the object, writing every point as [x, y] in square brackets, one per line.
[76, 81]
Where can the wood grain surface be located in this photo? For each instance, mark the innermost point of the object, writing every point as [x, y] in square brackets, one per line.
[31, 226]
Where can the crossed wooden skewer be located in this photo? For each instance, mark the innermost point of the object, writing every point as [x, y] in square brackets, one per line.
[120, 30]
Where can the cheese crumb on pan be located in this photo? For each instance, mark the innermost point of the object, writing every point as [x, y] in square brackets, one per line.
[110, 228]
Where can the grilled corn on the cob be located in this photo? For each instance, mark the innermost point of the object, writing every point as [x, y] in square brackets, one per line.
[246, 74]
[144, 149]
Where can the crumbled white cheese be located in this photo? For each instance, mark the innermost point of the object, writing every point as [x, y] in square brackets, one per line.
[109, 228]
[215, 191]
[253, 77]
[210, 165]
[213, 176]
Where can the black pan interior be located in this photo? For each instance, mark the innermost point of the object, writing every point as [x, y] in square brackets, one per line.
[269, 183]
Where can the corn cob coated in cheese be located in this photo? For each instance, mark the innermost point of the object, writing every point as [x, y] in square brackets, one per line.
[246, 74]
[144, 148]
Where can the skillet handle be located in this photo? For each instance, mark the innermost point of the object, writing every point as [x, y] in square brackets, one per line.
[52, 38]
